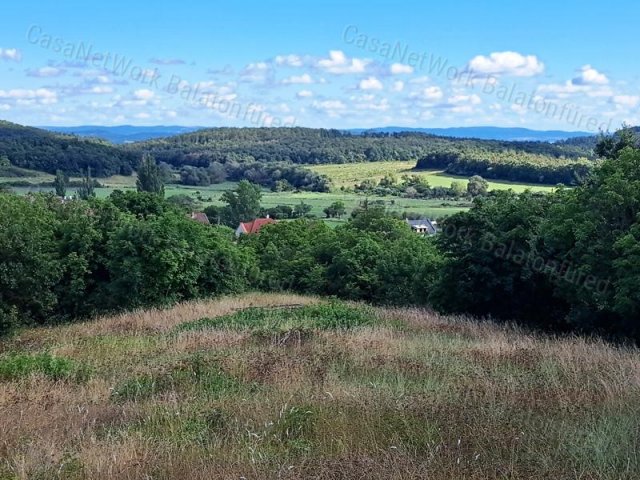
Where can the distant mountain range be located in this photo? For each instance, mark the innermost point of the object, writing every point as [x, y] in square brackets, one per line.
[485, 133]
[124, 133]
[129, 133]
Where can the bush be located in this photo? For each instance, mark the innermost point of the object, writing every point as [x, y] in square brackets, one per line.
[16, 366]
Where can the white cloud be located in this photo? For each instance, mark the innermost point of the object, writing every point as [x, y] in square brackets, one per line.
[142, 115]
[289, 60]
[371, 83]
[429, 94]
[298, 79]
[10, 54]
[339, 63]
[4, 107]
[40, 95]
[144, 94]
[590, 76]
[420, 80]
[399, 68]
[101, 89]
[507, 63]
[45, 72]
[332, 108]
[465, 99]
[398, 86]
[629, 101]
[567, 89]
[305, 94]
[256, 72]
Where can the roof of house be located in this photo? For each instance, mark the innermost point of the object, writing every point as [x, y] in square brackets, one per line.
[423, 223]
[254, 226]
[200, 217]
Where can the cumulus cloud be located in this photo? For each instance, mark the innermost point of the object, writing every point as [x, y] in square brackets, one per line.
[12, 54]
[305, 94]
[332, 108]
[143, 94]
[628, 101]
[43, 96]
[399, 68]
[100, 89]
[289, 60]
[45, 72]
[258, 72]
[465, 99]
[429, 94]
[371, 83]
[298, 79]
[569, 88]
[398, 86]
[507, 63]
[590, 76]
[339, 63]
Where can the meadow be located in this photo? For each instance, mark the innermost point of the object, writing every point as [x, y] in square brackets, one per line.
[349, 174]
[210, 195]
[343, 175]
[266, 386]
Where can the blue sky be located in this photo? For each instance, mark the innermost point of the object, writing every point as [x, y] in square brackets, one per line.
[547, 65]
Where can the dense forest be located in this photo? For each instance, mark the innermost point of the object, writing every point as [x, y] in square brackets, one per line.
[512, 165]
[565, 261]
[45, 151]
[249, 148]
[270, 155]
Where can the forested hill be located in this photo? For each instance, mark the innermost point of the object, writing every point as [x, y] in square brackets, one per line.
[45, 151]
[254, 152]
[318, 146]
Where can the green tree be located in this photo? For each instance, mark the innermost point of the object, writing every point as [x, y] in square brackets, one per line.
[477, 186]
[610, 146]
[150, 176]
[4, 161]
[60, 184]
[302, 210]
[458, 189]
[86, 190]
[243, 203]
[336, 209]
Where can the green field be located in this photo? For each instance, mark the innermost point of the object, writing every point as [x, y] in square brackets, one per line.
[349, 174]
[211, 196]
[343, 175]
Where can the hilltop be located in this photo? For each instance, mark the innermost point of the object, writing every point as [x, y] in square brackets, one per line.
[37, 149]
[284, 386]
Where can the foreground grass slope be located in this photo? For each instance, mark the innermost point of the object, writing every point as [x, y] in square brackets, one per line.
[280, 386]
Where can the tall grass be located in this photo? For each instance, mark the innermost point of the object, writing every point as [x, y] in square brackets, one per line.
[235, 388]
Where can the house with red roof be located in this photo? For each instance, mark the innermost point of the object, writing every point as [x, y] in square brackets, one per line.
[200, 217]
[254, 226]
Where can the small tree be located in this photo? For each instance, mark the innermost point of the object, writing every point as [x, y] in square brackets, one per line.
[336, 209]
[150, 176]
[87, 188]
[60, 184]
[243, 203]
[458, 189]
[302, 209]
[4, 161]
[477, 186]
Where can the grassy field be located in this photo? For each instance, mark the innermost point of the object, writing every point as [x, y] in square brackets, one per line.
[342, 175]
[211, 389]
[319, 201]
[349, 174]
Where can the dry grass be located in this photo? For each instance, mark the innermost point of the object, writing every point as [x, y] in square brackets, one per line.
[413, 395]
